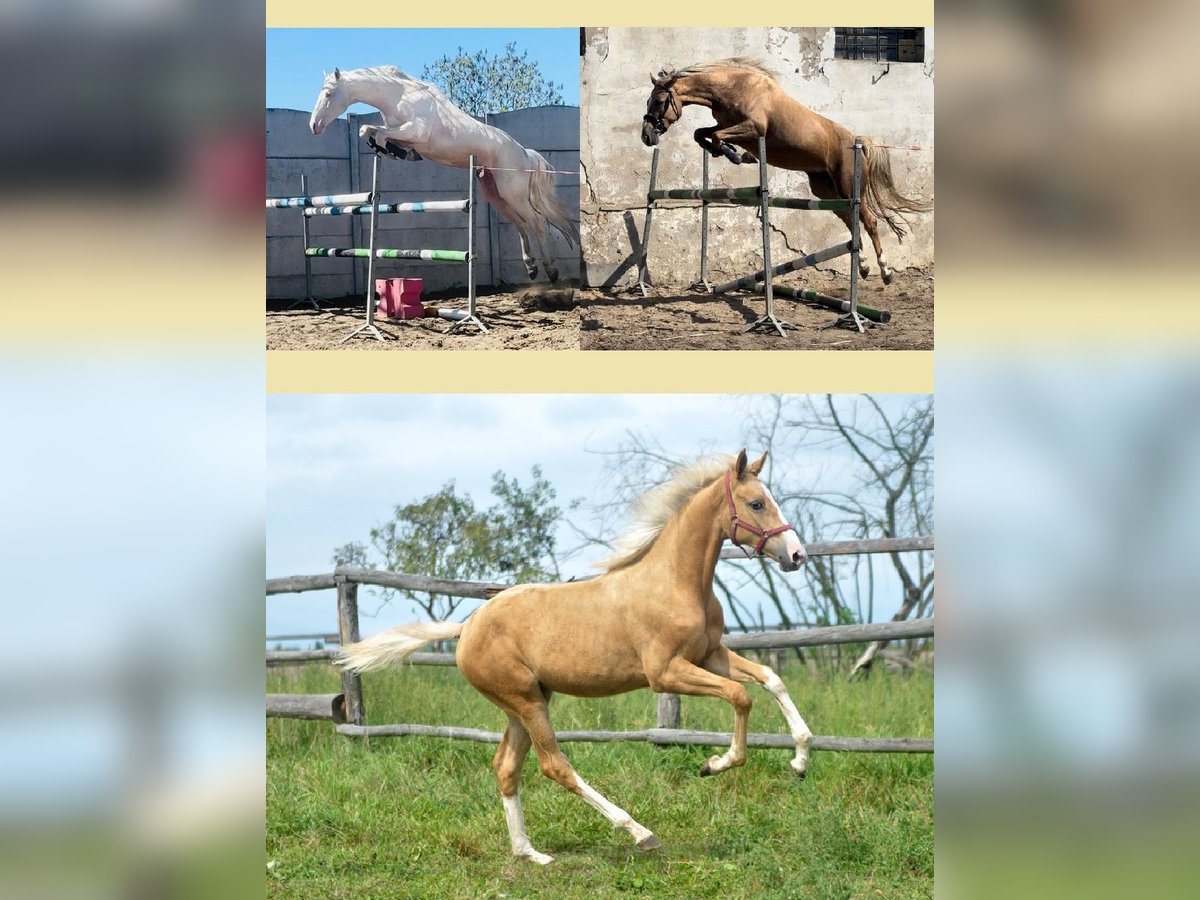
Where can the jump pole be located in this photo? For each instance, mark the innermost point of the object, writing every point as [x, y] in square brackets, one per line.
[308, 297]
[369, 325]
[643, 274]
[835, 303]
[470, 318]
[764, 207]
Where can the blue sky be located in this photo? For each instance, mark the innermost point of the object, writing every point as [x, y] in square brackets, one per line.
[296, 57]
[337, 465]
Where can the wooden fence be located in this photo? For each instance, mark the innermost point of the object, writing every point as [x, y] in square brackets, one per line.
[347, 712]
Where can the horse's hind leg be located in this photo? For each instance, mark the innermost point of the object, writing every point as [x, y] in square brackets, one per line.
[725, 662]
[510, 756]
[491, 192]
[824, 188]
[536, 719]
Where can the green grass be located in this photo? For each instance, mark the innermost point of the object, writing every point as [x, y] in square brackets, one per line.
[421, 817]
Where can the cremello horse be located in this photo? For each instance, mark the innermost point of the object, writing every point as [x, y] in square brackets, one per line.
[746, 102]
[516, 181]
[651, 620]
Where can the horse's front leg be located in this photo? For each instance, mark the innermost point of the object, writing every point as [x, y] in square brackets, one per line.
[678, 676]
[704, 137]
[724, 661]
[393, 140]
[746, 131]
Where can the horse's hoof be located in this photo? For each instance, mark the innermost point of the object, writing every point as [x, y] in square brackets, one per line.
[706, 770]
[552, 274]
[542, 859]
[886, 276]
[532, 273]
[649, 843]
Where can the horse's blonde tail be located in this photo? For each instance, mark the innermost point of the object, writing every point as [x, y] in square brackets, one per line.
[545, 202]
[395, 646]
[879, 194]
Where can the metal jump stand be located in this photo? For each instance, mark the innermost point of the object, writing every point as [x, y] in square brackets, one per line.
[369, 325]
[308, 294]
[458, 321]
[458, 318]
[763, 280]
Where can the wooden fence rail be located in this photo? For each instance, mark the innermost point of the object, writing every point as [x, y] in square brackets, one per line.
[766, 640]
[664, 737]
[482, 590]
[347, 712]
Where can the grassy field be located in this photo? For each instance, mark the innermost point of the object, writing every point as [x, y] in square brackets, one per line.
[421, 817]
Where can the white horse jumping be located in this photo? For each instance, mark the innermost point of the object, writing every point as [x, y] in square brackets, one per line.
[419, 121]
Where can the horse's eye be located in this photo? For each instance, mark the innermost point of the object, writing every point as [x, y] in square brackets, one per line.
[757, 505]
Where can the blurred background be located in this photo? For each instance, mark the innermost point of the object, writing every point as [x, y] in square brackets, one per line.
[1067, 383]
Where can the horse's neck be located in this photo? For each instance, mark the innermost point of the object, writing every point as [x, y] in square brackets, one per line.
[695, 90]
[382, 94]
[690, 544]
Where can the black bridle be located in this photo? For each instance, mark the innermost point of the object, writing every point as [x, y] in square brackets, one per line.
[656, 119]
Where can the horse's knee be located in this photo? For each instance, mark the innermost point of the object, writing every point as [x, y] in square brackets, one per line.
[739, 699]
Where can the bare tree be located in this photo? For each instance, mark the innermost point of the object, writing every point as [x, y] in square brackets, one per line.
[841, 467]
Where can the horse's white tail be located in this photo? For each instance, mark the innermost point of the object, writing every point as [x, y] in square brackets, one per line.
[395, 646]
[544, 201]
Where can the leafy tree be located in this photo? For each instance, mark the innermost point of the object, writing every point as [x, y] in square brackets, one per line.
[445, 535]
[485, 83]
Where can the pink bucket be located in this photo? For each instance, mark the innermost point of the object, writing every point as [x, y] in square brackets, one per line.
[400, 298]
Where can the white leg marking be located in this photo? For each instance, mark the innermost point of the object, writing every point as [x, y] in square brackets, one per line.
[796, 724]
[621, 819]
[521, 847]
[721, 763]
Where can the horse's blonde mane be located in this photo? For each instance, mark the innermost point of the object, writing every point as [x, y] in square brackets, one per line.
[653, 509]
[731, 62]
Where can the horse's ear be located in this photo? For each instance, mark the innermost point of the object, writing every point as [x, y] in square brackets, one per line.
[739, 467]
[337, 73]
[755, 467]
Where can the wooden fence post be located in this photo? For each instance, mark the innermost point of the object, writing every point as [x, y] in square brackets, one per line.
[347, 597]
[668, 710]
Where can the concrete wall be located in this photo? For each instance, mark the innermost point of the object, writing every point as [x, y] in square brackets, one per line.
[338, 162]
[617, 64]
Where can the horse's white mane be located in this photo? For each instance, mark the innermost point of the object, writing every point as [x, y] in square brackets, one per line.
[731, 62]
[653, 509]
[376, 73]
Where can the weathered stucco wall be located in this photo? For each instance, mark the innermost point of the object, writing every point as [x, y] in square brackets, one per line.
[891, 102]
[338, 161]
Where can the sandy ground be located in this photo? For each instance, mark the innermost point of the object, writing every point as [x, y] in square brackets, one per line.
[672, 318]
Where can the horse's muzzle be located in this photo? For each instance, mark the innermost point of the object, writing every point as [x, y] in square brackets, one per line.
[650, 133]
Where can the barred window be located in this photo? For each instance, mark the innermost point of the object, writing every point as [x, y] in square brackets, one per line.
[880, 44]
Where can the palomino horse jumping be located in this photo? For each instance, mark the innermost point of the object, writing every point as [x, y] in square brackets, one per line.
[418, 121]
[747, 102]
[650, 620]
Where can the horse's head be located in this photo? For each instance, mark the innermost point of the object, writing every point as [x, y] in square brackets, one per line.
[663, 109]
[754, 521]
[333, 100]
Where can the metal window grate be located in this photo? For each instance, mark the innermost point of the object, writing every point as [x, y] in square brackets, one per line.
[880, 44]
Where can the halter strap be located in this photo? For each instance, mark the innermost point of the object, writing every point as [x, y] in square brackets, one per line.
[735, 523]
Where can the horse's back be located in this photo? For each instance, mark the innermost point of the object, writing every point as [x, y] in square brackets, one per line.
[560, 634]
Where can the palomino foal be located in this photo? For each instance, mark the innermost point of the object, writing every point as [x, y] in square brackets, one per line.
[650, 620]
